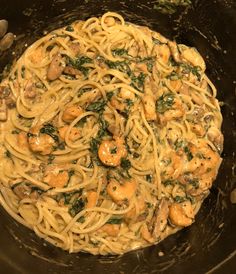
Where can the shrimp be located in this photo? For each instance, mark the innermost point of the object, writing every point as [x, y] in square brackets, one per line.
[176, 111]
[110, 152]
[22, 140]
[163, 51]
[121, 192]
[135, 212]
[171, 166]
[149, 107]
[40, 143]
[74, 133]
[37, 55]
[216, 137]
[126, 94]
[111, 229]
[192, 56]
[198, 129]
[55, 176]
[174, 51]
[181, 214]
[176, 84]
[71, 112]
[91, 199]
[204, 159]
[55, 68]
[110, 21]
[117, 103]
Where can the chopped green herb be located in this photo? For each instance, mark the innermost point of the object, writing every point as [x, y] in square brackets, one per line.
[115, 221]
[15, 131]
[188, 153]
[69, 28]
[50, 47]
[119, 52]
[149, 61]
[37, 189]
[179, 199]
[174, 76]
[178, 144]
[165, 102]
[23, 72]
[31, 135]
[186, 68]
[119, 65]
[81, 219]
[71, 172]
[113, 150]
[78, 63]
[61, 146]
[51, 158]
[149, 178]
[138, 81]
[109, 95]
[8, 154]
[129, 102]
[81, 122]
[168, 182]
[194, 182]
[125, 163]
[49, 129]
[97, 106]
[94, 143]
[68, 196]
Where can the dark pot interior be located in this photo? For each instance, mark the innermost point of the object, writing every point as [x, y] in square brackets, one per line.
[209, 245]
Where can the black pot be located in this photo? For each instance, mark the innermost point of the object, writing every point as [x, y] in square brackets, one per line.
[209, 245]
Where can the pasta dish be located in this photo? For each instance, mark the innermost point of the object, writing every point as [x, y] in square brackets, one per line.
[110, 136]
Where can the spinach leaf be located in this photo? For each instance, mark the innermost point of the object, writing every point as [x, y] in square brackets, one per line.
[186, 68]
[119, 52]
[68, 196]
[49, 129]
[77, 206]
[119, 65]
[69, 28]
[138, 81]
[79, 62]
[97, 106]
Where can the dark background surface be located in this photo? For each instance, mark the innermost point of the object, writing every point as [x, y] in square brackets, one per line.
[209, 245]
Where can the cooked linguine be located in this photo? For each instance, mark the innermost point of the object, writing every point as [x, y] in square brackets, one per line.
[110, 136]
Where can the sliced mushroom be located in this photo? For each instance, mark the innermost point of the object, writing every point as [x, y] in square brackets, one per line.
[56, 67]
[7, 41]
[3, 27]
[159, 220]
